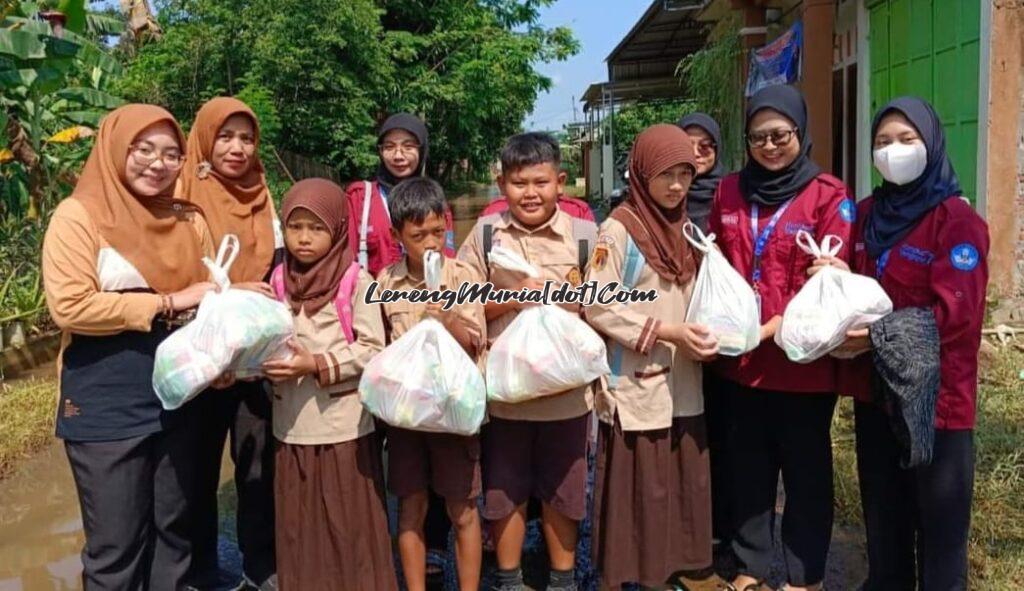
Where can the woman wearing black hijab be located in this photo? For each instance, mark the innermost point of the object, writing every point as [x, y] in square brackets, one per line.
[928, 249]
[706, 137]
[403, 146]
[781, 412]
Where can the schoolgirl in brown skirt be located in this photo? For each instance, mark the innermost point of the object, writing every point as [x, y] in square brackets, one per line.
[652, 497]
[331, 520]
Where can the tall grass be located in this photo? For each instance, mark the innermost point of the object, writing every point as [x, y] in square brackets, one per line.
[27, 415]
[997, 522]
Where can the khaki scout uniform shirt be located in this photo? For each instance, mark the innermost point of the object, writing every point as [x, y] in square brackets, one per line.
[324, 408]
[403, 315]
[553, 250]
[656, 382]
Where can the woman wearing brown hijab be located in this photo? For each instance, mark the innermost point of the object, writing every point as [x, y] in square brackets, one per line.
[652, 498]
[121, 261]
[225, 178]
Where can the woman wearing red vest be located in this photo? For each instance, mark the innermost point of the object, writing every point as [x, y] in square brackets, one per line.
[402, 144]
[928, 249]
[781, 412]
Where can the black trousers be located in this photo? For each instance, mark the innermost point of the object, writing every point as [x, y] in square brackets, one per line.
[717, 410]
[917, 520]
[244, 411]
[771, 432]
[134, 496]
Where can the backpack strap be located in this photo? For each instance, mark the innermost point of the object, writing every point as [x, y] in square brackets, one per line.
[488, 240]
[277, 283]
[343, 301]
[632, 265]
[364, 226]
[585, 232]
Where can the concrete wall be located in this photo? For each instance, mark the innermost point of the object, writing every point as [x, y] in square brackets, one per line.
[1005, 173]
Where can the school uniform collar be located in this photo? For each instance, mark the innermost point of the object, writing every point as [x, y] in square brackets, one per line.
[559, 223]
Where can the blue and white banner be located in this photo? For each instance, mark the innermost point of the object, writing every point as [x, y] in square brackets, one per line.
[778, 62]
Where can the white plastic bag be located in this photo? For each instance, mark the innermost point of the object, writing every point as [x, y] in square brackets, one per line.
[234, 330]
[831, 303]
[722, 299]
[425, 381]
[546, 350]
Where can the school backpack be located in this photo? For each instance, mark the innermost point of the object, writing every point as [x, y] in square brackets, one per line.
[342, 301]
[584, 231]
[633, 264]
[364, 258]
[577, 208]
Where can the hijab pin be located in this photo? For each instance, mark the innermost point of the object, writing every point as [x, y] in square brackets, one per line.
[203, 170]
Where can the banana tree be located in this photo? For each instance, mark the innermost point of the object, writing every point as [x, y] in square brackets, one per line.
[52, 77]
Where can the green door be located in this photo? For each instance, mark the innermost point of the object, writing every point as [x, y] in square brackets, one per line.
[931, 49]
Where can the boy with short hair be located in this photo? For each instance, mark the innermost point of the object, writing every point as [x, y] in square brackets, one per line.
[419, 461]
[539, 447]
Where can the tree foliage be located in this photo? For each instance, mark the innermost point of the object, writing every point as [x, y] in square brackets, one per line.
[52, 83]
[334, 70]
[713, 79]
[628, 122]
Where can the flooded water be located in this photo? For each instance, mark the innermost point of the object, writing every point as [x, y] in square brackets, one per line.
[466, 208]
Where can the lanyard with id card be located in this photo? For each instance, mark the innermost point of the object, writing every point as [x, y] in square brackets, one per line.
[760, 243]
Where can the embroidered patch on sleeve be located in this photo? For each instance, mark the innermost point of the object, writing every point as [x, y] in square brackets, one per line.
[964, 256]
[600, 257]
[848, 211]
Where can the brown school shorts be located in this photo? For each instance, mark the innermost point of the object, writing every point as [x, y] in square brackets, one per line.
[449, 464]
[543, 459]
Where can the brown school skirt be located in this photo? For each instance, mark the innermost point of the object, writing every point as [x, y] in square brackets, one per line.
[332, 523]
[652, 503]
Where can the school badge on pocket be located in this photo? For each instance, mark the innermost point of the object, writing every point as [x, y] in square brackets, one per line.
[574, 277]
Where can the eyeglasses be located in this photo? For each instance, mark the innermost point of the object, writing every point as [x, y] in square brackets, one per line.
[706, 147]
[145, 155]
[780, 138]
[406, 148]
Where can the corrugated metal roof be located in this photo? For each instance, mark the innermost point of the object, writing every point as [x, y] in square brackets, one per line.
[667, 32]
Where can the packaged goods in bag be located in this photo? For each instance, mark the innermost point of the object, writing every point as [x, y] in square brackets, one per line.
[832, 302]
[546, 350]
[722, 299]
[424, 380]
[234, 330]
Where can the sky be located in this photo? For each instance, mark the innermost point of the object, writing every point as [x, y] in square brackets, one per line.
[598, 25]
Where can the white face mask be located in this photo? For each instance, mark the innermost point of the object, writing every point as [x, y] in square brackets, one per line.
[901, 163]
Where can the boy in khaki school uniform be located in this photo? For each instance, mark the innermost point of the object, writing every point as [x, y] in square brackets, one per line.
[418, 461]
[536, 448]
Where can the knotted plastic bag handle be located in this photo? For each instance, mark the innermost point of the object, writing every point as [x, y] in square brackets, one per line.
[432, 269]
[226, 255]
[695, 236]
[511, 260]
[829, 247]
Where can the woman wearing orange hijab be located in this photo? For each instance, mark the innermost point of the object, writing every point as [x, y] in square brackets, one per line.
[225, 178]
[121, 262]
